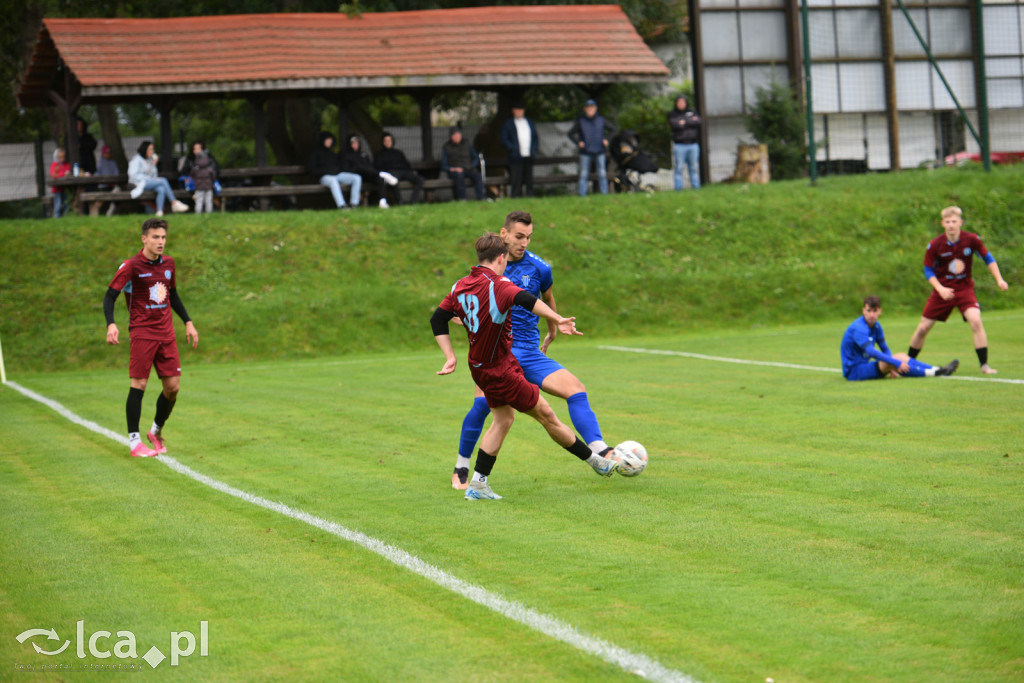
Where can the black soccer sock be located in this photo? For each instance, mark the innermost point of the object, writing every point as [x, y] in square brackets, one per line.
[982, 355]
[164, 406]
[484, 462]
[133, 409]
[580, 449]
[912, 352]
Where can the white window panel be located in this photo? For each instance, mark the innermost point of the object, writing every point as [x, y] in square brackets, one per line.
[1003, 67]
[1006, 94]
[1002, 32]
[720, 37]
[724, 90]
[960, 76]
[825, 88]
[755, 77]
[863, 87]
[913, 85]
[822, 35]
[954, 27]
[860, 33]
[904, 42]
[764, 35]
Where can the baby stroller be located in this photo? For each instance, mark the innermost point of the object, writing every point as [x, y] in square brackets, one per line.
[631, 162]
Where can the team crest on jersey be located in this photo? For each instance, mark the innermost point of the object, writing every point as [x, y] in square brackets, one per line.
[167, 274]
[158, 293]
[526, 281]
[956, 266]
[967, 251]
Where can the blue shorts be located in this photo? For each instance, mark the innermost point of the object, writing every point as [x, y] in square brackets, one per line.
[536, 366]
[862, 371]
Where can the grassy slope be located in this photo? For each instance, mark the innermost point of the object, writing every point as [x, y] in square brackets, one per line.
[292, 285]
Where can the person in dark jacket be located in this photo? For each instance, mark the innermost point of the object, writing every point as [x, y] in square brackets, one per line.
[461, 162]
[203, 177]
[325, 166]
[590, 132]
[86, 148]
[186, 163]
[391, 160]
[519, 137]
[355, 160]
[685, 125]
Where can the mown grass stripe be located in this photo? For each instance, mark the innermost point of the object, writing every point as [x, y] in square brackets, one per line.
[635, 663]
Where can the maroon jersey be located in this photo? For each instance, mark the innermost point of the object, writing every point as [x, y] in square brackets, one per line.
[147, 289]
[482, 300]
[951, 263]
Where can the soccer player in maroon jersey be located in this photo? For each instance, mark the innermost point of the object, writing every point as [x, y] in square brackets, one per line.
[947, 265]
[482, 301]
[148, 282]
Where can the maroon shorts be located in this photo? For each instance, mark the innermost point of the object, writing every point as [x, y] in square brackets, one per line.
[505, 384]
[147, 353]
[938, 308]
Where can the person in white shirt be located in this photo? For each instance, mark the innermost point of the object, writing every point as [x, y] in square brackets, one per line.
[519, 137]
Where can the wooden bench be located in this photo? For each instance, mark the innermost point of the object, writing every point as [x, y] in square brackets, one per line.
[261, 188]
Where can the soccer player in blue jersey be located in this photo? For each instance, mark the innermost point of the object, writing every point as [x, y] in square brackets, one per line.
[861, 360]
[530, 272]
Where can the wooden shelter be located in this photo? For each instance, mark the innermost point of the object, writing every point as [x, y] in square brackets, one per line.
[259, 56]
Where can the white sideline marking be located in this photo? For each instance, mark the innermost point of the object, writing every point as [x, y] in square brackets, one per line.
[773, 364]
[634, 663]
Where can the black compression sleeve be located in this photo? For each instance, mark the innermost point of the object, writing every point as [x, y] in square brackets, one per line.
[439, 321]
[525, 299]
[179, 307]
[108, 304]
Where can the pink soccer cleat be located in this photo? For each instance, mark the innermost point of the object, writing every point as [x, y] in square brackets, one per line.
[158, 443]
[143, 451]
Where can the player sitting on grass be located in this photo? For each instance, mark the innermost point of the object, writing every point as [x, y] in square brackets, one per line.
[858, 350]
[482, 301]
[150, 289]
[530, 272]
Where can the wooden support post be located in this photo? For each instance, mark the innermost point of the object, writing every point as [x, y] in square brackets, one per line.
[892, 116]
[424, 99]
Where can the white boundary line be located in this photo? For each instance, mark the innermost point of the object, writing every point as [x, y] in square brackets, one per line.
[772, 364]
[634, 663]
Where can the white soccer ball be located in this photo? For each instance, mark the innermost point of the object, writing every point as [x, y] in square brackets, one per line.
[632, 458]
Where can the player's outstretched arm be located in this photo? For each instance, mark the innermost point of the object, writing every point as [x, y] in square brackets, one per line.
[439, 325]
[993, 268]
[549, 298]
[565, 325]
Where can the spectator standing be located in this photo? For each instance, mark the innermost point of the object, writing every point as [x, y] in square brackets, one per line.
[392, 161]
[590, 133]
[143, 175]
[355, 160]
[203, 177]
[187, 163]
[325, 166]
[519, 137]
[106, 166]
[58, 169]
[86, 148]
[461, 162]
[685, 125]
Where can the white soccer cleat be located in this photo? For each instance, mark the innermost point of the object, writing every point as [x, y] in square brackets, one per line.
[602, 465]
[480, 490]
[986, 369]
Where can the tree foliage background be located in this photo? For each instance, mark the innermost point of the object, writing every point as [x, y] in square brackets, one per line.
[292, 122]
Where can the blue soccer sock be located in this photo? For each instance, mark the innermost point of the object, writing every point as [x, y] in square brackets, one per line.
[472, 426]
[919, 369]
[583, 418]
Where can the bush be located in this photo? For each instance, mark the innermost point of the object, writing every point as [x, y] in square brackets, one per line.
[778, 120]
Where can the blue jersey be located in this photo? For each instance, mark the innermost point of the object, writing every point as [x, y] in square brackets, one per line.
[533, 274]
[859, 345]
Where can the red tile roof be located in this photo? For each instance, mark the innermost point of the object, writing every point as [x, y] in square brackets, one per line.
[467, 47]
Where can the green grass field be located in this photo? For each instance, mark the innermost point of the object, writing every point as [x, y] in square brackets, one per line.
[790, 525]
